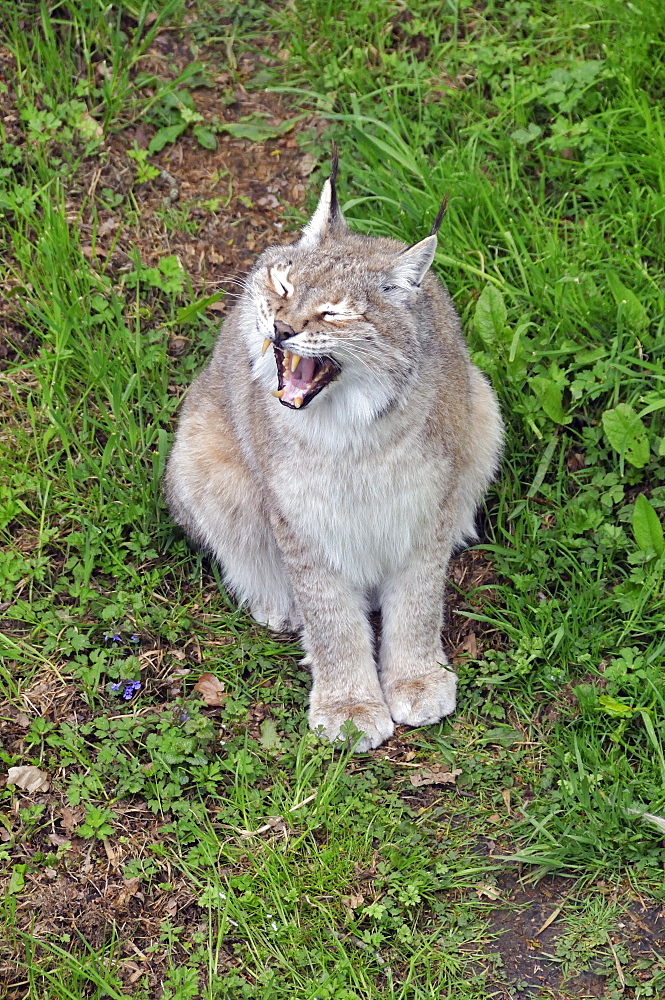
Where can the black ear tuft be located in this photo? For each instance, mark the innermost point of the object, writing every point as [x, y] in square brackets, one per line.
[334, 204]
[439, 218]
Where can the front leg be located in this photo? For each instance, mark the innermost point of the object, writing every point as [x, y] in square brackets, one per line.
[337, 638]
[418, 687]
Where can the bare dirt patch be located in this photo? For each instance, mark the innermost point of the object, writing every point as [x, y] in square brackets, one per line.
[216, 209]
[539, 959]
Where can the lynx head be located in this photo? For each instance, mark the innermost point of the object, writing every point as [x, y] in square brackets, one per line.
[336, 314]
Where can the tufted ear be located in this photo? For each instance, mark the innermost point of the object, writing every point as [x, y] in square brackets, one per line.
[328, 215]
[410, 266]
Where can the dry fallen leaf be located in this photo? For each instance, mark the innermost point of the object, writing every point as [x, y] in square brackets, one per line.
[467, 649]
[576, 460]
[179, 672]
[177, 345]
[70, 817]
[490, 891]
[211, 690]
[434, 776]
[134, 969]
[110, 852]
[29, 778]
[268, 201]
[278, 825]
[107, 226]
[306, 165]
[57, 840]
[129, 889]
[353, 902]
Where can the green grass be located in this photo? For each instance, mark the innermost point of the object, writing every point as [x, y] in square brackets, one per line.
[544, 125]
[547, 135]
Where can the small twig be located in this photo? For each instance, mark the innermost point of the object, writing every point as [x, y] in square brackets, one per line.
[620, 974]
[94, 182]
[141, 955]
[310, 798]
[110, 853]
[273, 822]
[33, 707]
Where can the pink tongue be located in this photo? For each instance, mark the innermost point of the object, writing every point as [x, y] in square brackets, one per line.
[304, 373]
[306, 366]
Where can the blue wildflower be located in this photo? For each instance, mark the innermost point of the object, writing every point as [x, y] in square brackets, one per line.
[131, 687]
[112, 637]
[135, 638]
[116, 687]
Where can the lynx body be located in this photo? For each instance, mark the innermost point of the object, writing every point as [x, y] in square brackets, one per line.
[332, 455]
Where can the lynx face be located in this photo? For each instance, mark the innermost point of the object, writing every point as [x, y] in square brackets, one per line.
[314, 328]
[331, 315]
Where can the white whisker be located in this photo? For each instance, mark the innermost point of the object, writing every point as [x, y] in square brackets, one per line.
[355, 353]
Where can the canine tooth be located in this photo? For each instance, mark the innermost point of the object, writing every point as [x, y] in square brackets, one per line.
[278, 393]
[266, 345]
[318, 377]
[297, 402]
[295, 361]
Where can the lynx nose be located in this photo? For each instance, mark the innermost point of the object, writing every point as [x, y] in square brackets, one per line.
[283, 331]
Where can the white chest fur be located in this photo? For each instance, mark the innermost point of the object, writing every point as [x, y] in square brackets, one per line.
[363, 506]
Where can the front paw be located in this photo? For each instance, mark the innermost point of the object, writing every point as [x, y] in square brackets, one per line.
[423, 699]
[274, 618]
[371, 718]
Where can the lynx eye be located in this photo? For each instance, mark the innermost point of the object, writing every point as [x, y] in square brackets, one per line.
[331, 316]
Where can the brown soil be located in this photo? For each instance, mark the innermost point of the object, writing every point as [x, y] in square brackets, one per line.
[231, 200]
[528, 948]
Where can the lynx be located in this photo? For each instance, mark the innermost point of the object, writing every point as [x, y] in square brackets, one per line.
[331, 456]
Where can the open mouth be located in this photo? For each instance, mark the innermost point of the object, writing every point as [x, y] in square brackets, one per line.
[299, 380]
